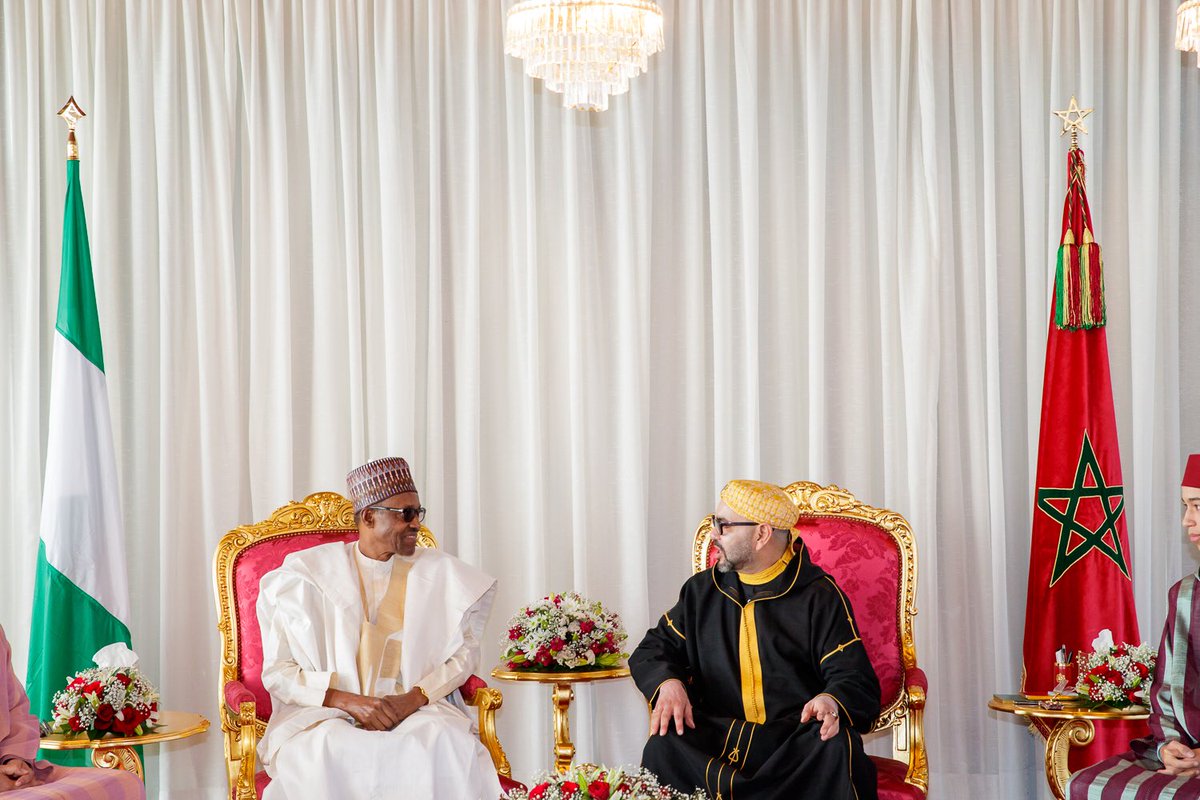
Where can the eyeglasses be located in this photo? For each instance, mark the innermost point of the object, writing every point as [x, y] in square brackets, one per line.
[719, 525]
[408, 513]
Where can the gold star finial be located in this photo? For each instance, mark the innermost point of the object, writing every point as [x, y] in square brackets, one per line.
[71, 113]
[1072, 119]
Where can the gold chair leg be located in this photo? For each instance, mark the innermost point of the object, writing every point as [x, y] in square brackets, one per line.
[488, 700]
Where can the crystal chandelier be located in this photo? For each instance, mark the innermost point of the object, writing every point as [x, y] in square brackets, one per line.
[586, 49]
[1187, 28]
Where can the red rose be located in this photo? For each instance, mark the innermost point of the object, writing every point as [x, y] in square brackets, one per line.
[557, 644]
[124, 679]
[570, 789]
[71, 684]
[514, 633]
[75, 724]
[558, 602]
[92, 688]
[104, 716]
[587, 626]
[529, 613]
[126, 722]
[538, 791]
[544, 658]
[597, 648]
[599, 790]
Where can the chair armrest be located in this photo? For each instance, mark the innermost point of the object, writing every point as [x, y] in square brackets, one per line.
[915, 679]
[477, 693]
[468, 689]
[241, 739]
[236, 693]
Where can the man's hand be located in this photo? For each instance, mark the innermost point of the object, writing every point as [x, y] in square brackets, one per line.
[673, 704]
[823, 708]
[376, 713]
[405, 705]
[1179, 759]
[372, 713]
[16, 774]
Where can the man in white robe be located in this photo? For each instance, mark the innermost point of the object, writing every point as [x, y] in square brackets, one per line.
[365, 645]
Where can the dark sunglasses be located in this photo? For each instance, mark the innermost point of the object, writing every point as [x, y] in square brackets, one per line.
[408, 513]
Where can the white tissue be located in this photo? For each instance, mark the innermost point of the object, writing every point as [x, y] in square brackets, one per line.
[1104, 642]
[116, 654]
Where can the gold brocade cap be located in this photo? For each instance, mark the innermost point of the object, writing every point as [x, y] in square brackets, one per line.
[761, 502]
[378, 480]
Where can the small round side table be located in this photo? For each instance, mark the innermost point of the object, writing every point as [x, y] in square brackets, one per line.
[560, 698]
[116, 752]
[1062, 728]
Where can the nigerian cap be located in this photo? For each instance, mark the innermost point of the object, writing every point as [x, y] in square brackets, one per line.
[378, 480]
[761, 502]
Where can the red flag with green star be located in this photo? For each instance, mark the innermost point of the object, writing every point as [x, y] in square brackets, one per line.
[1079, 568]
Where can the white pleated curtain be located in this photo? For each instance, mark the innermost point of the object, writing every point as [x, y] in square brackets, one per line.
[814, 241]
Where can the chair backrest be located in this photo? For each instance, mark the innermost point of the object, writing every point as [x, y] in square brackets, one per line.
[871, 554]
[247, 553]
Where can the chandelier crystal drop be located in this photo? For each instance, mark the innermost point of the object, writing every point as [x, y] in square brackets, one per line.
[585, 49]
[1187, 28]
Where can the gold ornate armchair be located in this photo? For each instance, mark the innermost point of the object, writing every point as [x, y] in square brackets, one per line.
[871, 554]
[243, 556]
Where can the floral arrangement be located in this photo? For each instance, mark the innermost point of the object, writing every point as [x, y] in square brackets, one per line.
[592, 782]
[563, 632]
[112, 697]
[1114, 674]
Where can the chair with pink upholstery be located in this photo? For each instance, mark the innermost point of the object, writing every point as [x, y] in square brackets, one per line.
[243, 556]
[871, 554]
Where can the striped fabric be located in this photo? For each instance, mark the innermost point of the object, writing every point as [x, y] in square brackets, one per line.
[1174, 714]
[1126, 777]
[73, 783]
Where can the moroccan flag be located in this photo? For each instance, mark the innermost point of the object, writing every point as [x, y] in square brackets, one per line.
[81, 594]
[1079, 568]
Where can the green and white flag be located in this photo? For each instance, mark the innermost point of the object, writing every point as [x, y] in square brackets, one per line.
[81, 596]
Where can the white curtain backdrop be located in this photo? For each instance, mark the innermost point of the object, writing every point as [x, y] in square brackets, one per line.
[814, 241]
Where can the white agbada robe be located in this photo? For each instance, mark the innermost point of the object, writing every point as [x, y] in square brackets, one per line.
[311, 614]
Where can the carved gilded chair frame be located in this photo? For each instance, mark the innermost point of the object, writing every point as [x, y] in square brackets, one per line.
[905, 714]
[241, 727]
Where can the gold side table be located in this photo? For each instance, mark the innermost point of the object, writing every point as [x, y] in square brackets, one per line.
[560, 698]
[1062, 729]
[116, 752]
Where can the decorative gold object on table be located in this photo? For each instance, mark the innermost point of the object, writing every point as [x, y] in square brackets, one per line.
[1061, 728]
[117, 752]
[560, 698]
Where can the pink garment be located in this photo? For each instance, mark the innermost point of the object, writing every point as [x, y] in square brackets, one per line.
[19, 739]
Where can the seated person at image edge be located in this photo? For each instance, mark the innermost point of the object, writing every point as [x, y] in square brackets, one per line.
[759, 682]
[365, 645]
[1167, 762]
[23, 778]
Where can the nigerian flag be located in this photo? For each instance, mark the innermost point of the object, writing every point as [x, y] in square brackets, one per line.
[81, 596]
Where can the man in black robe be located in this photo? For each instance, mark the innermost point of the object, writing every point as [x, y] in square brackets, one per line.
[759, 683]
